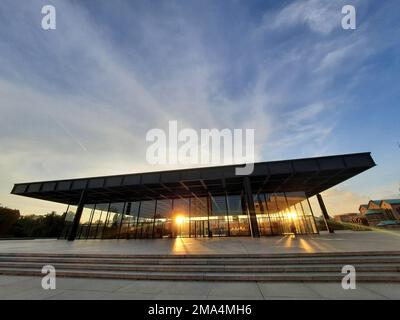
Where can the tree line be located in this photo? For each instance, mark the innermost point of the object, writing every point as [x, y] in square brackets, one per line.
[15, 225]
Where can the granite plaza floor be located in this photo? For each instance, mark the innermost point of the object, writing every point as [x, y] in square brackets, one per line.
[340, 241]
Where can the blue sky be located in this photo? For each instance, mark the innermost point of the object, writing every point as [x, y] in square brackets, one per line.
[78, 100]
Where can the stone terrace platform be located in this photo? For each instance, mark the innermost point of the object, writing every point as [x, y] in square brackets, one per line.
[341, 241]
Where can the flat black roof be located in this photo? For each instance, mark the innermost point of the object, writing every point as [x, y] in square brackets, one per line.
[311, 175]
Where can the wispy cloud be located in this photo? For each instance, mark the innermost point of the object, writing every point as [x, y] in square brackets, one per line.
[319, 16]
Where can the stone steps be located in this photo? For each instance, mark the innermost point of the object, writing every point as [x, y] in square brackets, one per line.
[387, 259]
[197, 276]
[204, 268]
[212, 256]
[370, 266]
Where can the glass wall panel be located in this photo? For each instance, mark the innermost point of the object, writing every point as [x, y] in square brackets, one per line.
[70, 215]
[300, 213]
[181, 209]
[129, 220]
[274, 215]
[145, 222]
[198, 207]
[282, 213]
[237, 218]
[69, 218]
[113, 221]
[90, 233]
[84, 222]
[133, 212]
[235, 207]
[309, 216]
[199, 217]
[294, 216]
[218, 206]
[163, 220]
[263, 218]
[304, 225]
[218, 219]
[99, 220]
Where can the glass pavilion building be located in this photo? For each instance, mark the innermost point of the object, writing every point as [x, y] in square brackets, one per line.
[200, 202]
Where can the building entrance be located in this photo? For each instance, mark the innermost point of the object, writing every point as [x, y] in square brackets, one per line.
[199, 228]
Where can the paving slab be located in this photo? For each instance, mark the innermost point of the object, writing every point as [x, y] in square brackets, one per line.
[189, 288]
[107, 285]
[235, 289]
[78, 295]
[7, 280]
[145, 286]
[292, 298]
[25, 284]
[127, 296]
[388, 290]
[194, 297]
[336, 292]
[63, 283]
[212, 297]
[297, 290]
[31, 294]
[7, 291]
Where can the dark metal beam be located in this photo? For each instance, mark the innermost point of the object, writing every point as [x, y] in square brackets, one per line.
[77, 217]
[204, 186]
[264, 183]
[325, 213]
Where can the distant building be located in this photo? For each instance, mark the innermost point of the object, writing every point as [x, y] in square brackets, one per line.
[392, 208]
[375, 216]
[363, 208]
[374, 204]
[380, 212]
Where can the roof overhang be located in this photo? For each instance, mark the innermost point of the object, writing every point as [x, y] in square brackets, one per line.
[311, 175]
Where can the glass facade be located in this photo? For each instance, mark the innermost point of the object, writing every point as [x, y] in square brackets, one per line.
[284, 213]
[215, 215]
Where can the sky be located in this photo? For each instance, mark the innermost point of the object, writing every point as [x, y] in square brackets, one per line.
[77, 101]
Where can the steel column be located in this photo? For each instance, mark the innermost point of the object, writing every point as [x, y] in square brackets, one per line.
[251, 212]
[324, 212]
[77, 217]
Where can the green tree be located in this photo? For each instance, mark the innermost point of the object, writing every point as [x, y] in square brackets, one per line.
[49, 225]
[7, 218]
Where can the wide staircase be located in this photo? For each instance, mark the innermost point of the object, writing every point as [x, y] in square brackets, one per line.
[370, 266]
